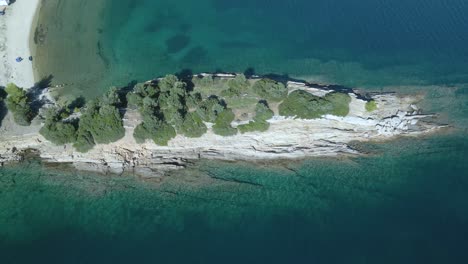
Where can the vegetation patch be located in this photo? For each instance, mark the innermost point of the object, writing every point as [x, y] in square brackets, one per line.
[259, 123]
[302, 104]
[270, 90]
[193, 126]
[236, 86]
[100, 122]
[170, 106]
[19, 104]
[371, 106]
[57, 131]
[222, 124]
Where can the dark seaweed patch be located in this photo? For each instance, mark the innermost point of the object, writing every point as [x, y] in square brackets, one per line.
[177, 43]
[195, 55]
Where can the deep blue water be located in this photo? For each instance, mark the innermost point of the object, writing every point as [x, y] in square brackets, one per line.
[405, 203]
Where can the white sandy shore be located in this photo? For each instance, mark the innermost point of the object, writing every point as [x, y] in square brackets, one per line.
[15, 32]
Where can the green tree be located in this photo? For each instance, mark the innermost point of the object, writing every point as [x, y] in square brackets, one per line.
[209, 109]
[103, 122]
[193, 126]
[112, 97]
[153, 128]
[84, 141]
[57, 131]
[193, 100]
[222, 124]
[18, 103]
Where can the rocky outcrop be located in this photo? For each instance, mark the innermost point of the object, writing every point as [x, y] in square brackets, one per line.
[287, 138]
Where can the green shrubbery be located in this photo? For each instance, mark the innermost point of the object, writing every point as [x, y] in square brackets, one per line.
[153, 128]
[57, 131]
[167, 108]
[259, 123]
[163, 108]
[100, 122]
[371, 106]
[270, 90]
[340, 103]
[237, 86]
[193, 126]
[302, 104]
[222, 124]
[18, 103]
[209, 109]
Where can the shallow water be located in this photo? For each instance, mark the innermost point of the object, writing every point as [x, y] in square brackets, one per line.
[405, 203]
[366, 43]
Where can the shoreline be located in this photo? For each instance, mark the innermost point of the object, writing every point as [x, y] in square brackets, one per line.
[16, 30]
[286, 139]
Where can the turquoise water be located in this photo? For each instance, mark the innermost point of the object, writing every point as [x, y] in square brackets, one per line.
[405, 203]
[356, 43]
[370, 43]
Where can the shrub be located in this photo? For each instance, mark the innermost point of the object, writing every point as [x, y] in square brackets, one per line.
[112, 97]
[193, 100]
[262, 113]
[271, 90]
[18, 103]
[302, 104]
[237, 85]
[340, 103]
[371, 106]
[222, 124]
[209, 109]
[239, 82]
[104, 123]
[84, 141]
[193, 126]
[134, 100]
[153, 128]
[57, 131]
[253, 126]
[171, 84]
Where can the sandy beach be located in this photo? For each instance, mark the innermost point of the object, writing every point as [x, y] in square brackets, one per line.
[16, 27]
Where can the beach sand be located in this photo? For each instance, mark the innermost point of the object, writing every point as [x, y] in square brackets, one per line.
[16, 27]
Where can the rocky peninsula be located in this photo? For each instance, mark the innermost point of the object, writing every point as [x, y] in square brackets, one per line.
[368, 117]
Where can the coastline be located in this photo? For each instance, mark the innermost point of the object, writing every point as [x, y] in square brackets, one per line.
[286, 139]
[16, 30]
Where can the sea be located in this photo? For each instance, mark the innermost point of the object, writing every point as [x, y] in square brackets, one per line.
[405, 201]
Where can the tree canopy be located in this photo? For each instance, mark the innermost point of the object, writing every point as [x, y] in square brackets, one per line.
[19, 104]
[222, 124]
[57, 131]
